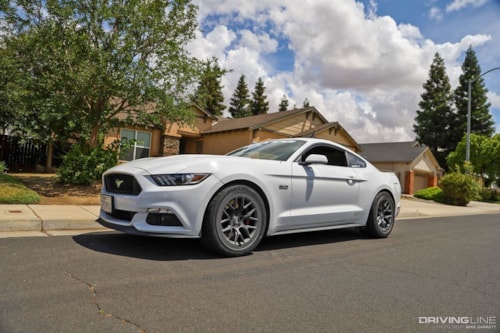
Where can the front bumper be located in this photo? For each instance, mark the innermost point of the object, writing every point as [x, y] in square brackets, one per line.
[165, 211]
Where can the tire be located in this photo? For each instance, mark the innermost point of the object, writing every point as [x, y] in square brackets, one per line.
[235, 221]
[381, 218]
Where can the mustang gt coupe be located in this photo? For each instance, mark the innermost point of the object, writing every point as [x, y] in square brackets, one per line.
[269, 188]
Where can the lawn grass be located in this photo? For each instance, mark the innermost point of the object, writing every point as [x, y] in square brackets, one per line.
[12, 191]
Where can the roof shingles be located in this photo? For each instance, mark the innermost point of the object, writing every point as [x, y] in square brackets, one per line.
[406, 151]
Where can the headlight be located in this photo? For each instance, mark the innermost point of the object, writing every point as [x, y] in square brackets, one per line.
[175, 179]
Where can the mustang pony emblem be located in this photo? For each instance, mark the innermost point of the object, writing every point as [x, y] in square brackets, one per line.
[118, 183]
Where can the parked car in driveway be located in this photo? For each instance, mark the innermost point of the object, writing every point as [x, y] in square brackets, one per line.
[268, 188]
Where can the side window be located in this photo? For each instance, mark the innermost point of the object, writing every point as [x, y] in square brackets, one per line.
[335, 157]
[355, 162]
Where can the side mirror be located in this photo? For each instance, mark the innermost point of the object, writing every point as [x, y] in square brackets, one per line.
[315, 159]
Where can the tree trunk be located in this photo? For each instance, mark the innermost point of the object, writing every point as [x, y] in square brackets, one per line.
[93, 140]
[50, 153]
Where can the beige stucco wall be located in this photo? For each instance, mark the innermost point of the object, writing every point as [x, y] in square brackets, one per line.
[423, 163]
[201, 123]
[338, 137]
[298, 124]
[222, 143]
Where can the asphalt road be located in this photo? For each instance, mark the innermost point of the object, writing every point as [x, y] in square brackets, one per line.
[337, 281]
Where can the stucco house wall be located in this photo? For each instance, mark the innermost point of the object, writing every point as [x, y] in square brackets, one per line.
[414, 165]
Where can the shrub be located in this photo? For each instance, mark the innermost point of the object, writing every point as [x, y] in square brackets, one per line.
[431, 193]
[84, 165]
[489, 195]
[459, 188]
[3, 166]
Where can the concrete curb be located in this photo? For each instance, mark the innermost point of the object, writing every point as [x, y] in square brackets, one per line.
[56, 219]
[48, 218]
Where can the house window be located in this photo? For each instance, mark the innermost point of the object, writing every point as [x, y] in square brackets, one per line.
[141, 147]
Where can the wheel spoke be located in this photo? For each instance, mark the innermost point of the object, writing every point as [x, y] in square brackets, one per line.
[239, 220]
[384, 215]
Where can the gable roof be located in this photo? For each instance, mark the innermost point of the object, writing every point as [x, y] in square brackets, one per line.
[406, 151]
[253, 122]
[206, 113]
[332, 125]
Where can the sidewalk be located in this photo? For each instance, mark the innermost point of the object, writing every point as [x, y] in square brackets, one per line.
[58, 219]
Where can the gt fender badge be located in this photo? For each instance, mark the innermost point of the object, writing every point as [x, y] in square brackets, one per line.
[283, 187]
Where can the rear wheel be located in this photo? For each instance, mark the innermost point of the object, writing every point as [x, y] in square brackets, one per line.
[235, 221]
[382, 216]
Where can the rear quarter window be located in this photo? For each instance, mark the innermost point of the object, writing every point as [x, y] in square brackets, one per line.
[355, 162]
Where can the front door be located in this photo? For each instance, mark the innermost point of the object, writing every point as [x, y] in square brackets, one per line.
[324, 194]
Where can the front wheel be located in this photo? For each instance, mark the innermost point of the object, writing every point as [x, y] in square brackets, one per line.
[235, 221]
[382, 216]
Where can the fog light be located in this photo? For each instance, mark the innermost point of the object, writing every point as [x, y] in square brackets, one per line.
[163, 219]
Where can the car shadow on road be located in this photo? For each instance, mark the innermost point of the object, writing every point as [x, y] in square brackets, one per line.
[143, 247]
[171, 249]
[309, 239]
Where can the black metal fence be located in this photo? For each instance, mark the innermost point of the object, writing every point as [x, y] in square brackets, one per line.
[21, 155]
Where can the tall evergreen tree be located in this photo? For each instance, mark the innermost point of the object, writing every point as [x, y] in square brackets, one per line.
[435, 117]
[283, 104]
[259, 103]
[240, 102]
[209, 94]
[481, 119]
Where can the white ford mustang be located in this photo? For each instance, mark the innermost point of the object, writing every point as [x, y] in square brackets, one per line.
[269, 188]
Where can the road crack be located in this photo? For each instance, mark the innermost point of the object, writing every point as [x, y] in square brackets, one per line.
[99, 308]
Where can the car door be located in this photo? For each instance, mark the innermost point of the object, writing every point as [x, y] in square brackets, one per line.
[326, 193]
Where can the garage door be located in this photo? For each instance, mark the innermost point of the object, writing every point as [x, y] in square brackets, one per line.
[420, 182]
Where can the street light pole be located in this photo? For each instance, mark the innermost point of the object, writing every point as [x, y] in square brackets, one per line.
[467, 145]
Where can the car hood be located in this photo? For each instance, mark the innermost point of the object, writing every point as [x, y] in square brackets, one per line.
[175, 164]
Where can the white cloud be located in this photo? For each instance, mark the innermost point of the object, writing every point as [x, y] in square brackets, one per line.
[363, 70]
[260, 43]
[435, 13]
[460, 4]
[213, 44]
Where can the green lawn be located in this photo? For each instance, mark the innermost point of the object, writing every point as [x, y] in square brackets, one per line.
[12, 191]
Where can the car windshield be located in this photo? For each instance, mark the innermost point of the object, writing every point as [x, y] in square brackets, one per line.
[269, 150]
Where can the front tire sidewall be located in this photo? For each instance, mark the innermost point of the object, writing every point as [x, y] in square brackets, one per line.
[373, 229]
[213, 236]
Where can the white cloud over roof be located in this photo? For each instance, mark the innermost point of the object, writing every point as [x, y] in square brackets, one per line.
[363, 70]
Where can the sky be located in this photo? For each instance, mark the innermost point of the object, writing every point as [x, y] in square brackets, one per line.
[361, 63]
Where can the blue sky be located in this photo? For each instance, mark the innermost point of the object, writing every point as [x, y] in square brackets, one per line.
[361, 63]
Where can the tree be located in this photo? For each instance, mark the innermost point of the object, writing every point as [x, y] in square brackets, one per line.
[306, 103]
[209, 94]
[259, 103]
[283, 104]
[7, 100]
[435, 117]
[481, 119]
[240, 102]
[484, 157]
[82, 63]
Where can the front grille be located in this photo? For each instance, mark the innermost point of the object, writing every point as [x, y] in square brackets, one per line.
[122, 184]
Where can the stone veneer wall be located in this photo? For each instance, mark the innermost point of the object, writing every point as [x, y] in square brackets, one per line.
[169, 145]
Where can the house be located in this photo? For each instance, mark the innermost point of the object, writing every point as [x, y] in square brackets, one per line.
[229, 134]
[413, 163]
[166, 140]
[217, 135]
